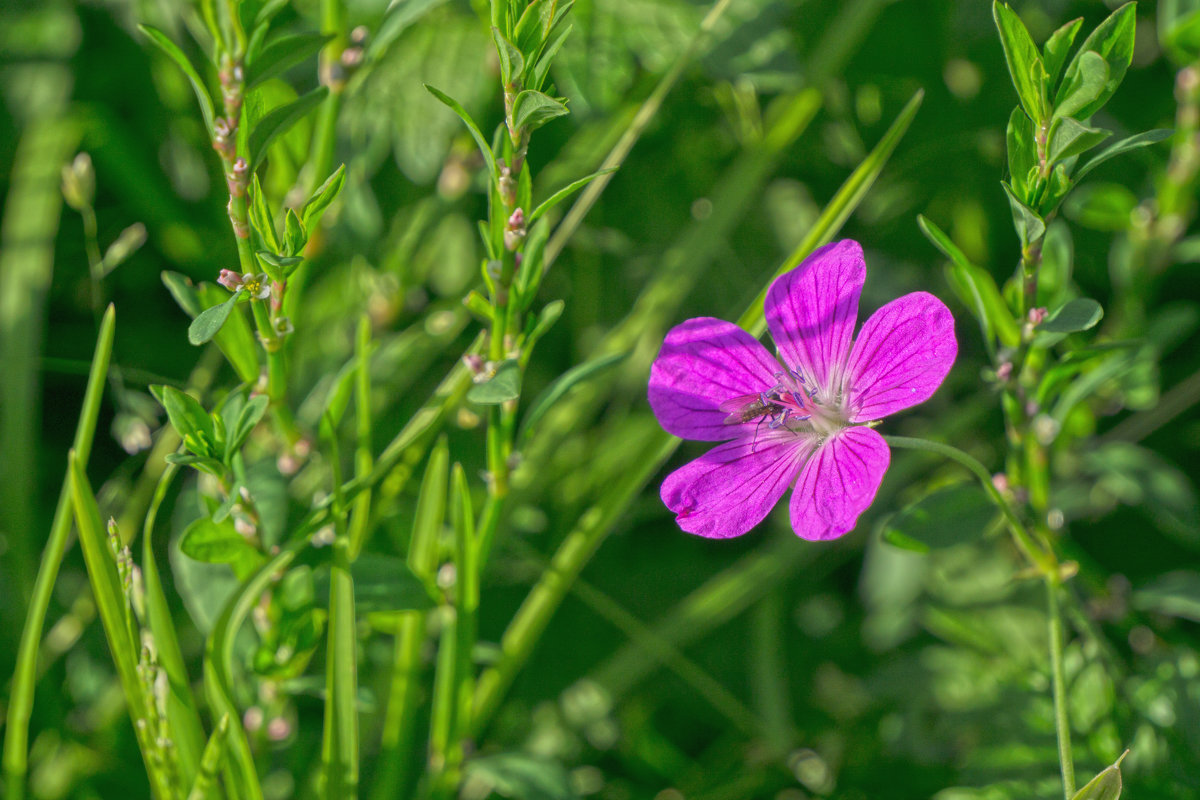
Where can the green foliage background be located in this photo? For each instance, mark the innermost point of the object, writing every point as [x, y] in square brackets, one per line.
[759, 667]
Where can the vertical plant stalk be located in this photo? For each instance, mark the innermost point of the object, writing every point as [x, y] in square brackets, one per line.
[20, 708]
[1062, 721]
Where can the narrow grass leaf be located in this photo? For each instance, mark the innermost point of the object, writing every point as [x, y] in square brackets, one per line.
[1123, 146]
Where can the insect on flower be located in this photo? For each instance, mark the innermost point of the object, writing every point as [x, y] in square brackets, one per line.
[818, 401]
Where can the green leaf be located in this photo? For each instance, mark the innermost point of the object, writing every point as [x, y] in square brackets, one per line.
[1113, 41]
[542, 68]
[209, 321]
[471, 127]
[1179, 32]
[214, 543]
[950, 516]
[260, 216]
[1054, 52]
[503, 386]
[522, 777]
[176, 55]
[545, 321]
[1081, 88]
[1102, 206]
[1026, 221]
[321, 199]
[559, 388]
[1176, 594]
[295, 236]
[284, 52]
[563, 193]
[278, 261]
[1106, 785]
[1022, 153]
[190, 420]
[1069, 137]
[382, 583]
[1023, 59]
[251, 413]
[279, 121]
[975, 287]
[1123, 146]
[1078, 315]
[512, 63]
[532, 110]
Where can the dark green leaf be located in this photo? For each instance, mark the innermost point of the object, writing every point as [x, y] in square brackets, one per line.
[531, 110]
[1022, 153]
[542, 68]
[503, 386]
[279, 121]
[1113, 41]
[321, 199]
[284, 52]
[945, 518]
[209, 321]
[247, 419]
[281, 262]
[1176, 594]
[184, 292]
[1077, 315]
[471, 127]
[1101, 206]
[545, 321]
[563, 384]
[176, 55]
[260, 216]
[295, 235]
[1023, 59]
[1123, 146]
[190, 420]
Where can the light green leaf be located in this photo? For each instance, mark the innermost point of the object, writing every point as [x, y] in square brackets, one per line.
[1069, 137]
[1054, 52]
[1022, 153]
[559, 388]
[279, 121]
[950, 516]
[471, 127]
[1082, 87]
[1026, 221]
[282, 53]
[1113, 41]
[503, 386]
[563, 193]
[512, 63]
[1123, 146]
[532, 110]
[190, 420]
[295, 235]
[1024, 61]
[209, 321]
[1106, 785]
[260, 216]
[321, 199]
[176, 55]
[214, 543]
[1101, 206]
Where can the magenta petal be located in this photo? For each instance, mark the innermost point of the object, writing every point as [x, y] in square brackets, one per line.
[838, 483]
[901, 357]
[731, 488]
[703, 363]
[811, 312]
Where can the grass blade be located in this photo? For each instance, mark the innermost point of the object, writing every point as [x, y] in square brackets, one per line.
[20, 708]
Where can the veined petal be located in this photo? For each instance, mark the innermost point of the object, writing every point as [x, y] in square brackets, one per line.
[811, 312]
[703, 363]
[901, 357]
[838, 483]
[731, 488]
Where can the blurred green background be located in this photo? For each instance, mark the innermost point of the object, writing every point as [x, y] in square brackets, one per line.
[679, 667]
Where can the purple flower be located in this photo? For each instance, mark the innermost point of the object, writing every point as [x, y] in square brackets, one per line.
[800, 419]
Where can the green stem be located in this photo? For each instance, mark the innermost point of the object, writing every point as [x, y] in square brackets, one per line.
[1038, 556]
[1062, 722]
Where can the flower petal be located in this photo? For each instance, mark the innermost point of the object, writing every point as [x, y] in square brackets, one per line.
[838, 483]
[901, 357]
[811, 312]
[731, 488]
[703, 363]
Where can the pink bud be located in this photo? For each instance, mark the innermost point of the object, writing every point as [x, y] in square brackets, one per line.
[1004, 371]
[1037, 315]
[517, 220]
[229, 279]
